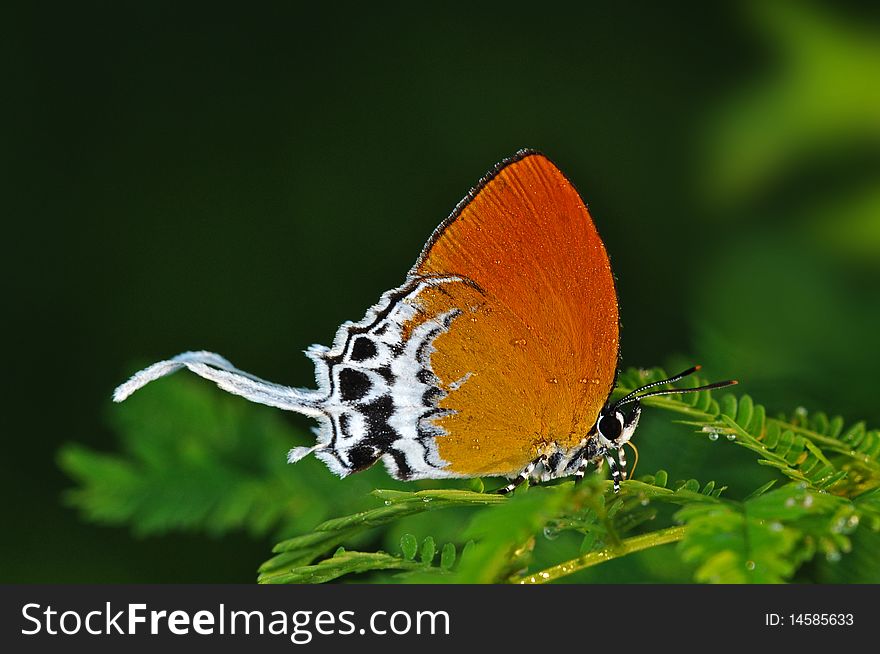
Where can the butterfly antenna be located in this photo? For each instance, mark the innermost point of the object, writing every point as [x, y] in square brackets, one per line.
[639, 394]
[672, 379]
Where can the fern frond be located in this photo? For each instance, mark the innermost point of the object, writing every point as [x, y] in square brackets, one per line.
[764, 539]
[302, 550]
[812, 450]
[340, 564]
[502, 537]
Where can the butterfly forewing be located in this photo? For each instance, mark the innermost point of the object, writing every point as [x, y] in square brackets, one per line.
[531, 358]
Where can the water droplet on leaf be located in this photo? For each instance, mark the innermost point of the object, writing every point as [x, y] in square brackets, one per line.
[550, 533]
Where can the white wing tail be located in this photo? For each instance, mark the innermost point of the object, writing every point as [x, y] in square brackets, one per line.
[216, 368]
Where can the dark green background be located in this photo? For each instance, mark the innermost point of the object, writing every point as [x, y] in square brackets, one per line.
[244, 180]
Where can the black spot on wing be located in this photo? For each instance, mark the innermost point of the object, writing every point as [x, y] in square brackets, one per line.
[353, 384]
[345, 425]
[404, 471]
[362, 457]
[387, 375]
[377, 413]
[363, 348]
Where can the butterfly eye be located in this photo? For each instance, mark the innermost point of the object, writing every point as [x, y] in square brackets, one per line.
[610, 425]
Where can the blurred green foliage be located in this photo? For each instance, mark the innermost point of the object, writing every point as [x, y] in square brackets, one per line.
[189, 460]
[791, 165]
[821, 98]
[239, 182]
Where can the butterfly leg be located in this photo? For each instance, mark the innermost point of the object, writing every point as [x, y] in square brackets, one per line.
[602, 452]
[621, 459]
[615, 471]
[520, 478]
[525, 474]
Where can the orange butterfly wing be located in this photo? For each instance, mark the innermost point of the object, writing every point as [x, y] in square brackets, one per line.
[531, 360]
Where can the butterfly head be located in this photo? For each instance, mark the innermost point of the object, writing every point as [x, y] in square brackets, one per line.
[614, 429]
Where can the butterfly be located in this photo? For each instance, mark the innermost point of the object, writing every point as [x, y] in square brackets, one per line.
[497, 356]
